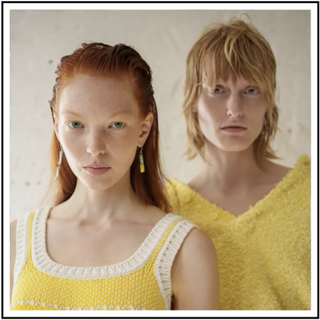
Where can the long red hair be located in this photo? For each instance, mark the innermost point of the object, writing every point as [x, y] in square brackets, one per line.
[123, 62]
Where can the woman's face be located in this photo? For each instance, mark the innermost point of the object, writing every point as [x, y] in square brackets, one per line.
[231, 115]
[99, 127]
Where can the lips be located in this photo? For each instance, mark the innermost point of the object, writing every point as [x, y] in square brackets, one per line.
[234, 128]
[96, 170]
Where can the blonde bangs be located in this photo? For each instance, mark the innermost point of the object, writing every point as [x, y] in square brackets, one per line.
[231, 53]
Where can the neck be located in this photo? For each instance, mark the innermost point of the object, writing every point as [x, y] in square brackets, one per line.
[231, 171]
[97, 206]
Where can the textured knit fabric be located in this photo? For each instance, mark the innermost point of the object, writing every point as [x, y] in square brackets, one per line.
[141, 282]
[264, 254]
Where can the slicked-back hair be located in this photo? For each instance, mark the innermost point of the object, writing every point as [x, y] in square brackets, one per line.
[121, 62]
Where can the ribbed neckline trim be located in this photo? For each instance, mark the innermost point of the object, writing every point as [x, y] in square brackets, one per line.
[44, 263]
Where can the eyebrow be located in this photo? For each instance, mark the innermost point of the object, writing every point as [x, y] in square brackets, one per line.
[125, 112]
[70, 112]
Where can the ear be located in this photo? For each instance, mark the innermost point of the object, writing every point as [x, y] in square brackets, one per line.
[145, 129]
[195, 106]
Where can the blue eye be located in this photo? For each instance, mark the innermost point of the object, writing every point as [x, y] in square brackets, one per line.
[75, 124]
[216, 90]
[118, 125]
[252, 91]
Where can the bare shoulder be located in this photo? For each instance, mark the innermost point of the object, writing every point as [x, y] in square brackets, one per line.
[197, 253]
[197, 245]
[13, 224]
[13, 230]
[194, 274]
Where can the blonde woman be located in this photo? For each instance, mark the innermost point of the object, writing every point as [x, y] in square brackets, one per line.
[256, 212]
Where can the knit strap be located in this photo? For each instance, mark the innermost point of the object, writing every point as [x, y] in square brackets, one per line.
[21, 245]
[166, 257]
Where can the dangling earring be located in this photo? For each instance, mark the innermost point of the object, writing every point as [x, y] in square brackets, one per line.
[59, 163]
[141, 161]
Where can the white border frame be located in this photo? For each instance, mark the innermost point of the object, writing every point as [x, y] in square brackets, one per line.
[160, 6]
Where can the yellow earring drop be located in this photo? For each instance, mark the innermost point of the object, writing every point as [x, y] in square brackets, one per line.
[141, 161]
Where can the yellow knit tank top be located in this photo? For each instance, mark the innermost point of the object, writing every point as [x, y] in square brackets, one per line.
[142, 282]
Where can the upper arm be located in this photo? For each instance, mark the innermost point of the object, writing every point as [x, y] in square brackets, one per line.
[195, 274]
[13, 228]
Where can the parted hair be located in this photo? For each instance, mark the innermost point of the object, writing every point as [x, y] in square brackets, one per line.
[236, 49]
[122, 62]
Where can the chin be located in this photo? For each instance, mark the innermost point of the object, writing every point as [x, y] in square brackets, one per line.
[234, 147]
[98, 186]
[97, 183]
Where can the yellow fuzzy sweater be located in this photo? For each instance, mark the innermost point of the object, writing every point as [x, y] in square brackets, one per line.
[264, 254]
[141, 282]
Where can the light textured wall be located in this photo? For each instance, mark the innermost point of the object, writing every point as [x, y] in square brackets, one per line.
[40, 38]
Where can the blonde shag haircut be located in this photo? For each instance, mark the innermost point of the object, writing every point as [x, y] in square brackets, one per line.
[236, 49]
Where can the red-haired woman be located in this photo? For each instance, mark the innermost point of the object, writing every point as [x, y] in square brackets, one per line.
[108, 242]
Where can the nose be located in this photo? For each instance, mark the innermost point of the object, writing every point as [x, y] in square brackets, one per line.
[96, 145]
[234, 106]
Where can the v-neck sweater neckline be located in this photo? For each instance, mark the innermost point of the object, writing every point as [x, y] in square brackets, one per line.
[262, 204]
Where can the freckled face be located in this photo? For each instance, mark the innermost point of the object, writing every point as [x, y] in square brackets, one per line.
[99, 127]
[231, 115]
